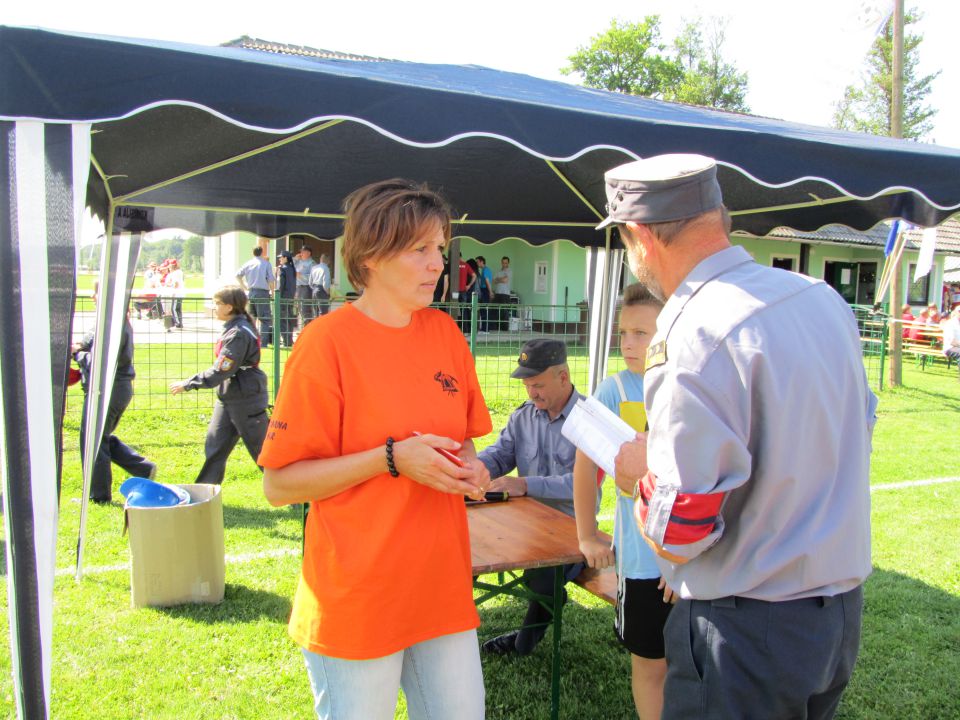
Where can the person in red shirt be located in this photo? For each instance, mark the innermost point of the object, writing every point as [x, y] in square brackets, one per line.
[385, 597]
[906, 314]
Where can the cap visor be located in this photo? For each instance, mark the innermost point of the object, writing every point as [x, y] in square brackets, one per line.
[605, 223]
[525, 372]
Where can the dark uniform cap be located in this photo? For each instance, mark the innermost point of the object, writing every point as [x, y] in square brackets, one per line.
[538, 355]
[662, 188]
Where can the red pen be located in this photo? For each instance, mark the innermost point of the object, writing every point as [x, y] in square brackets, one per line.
[446, 453]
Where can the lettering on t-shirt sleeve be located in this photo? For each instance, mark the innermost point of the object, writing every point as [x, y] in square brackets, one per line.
[275, 425]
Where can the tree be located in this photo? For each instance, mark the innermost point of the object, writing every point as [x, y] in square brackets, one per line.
[706, 78]
[630, 58]
[866, 107]
[627, 58]
[193, 253]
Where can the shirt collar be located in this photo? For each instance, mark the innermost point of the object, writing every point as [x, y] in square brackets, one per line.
[705, 271]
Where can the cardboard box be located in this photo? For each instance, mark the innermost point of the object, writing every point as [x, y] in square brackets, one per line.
[176, 553]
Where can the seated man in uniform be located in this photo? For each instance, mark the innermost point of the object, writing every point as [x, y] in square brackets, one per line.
[532, 445]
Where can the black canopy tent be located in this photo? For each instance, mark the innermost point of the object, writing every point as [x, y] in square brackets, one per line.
[219, 139]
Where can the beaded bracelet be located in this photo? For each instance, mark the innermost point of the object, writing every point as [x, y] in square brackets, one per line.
[390, 466]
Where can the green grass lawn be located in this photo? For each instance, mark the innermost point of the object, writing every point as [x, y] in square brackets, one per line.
[234, 660]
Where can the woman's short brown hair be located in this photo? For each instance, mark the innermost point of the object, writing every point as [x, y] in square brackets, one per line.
[383, 218]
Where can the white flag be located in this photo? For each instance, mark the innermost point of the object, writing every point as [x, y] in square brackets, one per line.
[925, 259]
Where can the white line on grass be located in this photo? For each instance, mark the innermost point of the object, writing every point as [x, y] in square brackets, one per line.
[250, 557]
[230, 560]
[913, 483]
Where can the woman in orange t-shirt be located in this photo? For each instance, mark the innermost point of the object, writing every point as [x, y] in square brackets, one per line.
[385, 594]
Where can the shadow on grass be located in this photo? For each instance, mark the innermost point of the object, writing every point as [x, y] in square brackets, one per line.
[240, 604]
[908, 653]
[907, 667]
[595, 668]
[265, 518]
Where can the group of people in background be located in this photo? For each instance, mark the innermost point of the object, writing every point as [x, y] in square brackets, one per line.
[475, 278]
[917, 329]
[162, 294]
[303, 284]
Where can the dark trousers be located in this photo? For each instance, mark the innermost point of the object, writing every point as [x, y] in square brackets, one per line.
[740, 658]
[307, 307]
[321, 299]
[540, 580]
[503, 313]
[953, 354]
[176, 311]
[245, 420]
[288, 320]
[484, 312]
[260, 309]
[112, 449]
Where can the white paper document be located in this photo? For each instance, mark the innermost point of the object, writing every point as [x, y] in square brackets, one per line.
[597, 431]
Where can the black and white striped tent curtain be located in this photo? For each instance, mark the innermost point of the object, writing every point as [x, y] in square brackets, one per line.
[604, 270]
[118, 263]
[45, 167]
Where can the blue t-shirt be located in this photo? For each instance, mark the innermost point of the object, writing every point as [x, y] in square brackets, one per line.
[488, 277]
[635, 559]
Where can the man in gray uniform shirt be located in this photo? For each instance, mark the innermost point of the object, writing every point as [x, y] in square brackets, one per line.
[256, 277]
[304, 263]
[533, 445]
[753, 480]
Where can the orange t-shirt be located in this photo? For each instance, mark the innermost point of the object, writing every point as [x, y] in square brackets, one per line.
[386, 563]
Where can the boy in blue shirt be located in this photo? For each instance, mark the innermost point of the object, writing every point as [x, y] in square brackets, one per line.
[643, 600]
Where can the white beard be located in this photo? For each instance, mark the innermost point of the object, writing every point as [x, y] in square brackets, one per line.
[645, 276]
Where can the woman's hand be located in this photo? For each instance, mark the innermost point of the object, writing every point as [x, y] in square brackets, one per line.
[418, 458]
[177, 388]
[598, 553]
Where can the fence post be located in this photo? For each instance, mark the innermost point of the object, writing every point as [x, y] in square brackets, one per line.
[884, 329]
[276, 342]
[474, 310]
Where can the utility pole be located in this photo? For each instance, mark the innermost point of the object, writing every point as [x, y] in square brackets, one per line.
[896, 130]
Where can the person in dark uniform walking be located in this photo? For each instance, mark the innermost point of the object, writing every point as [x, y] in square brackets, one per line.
[241, 408]
[112, 449]
[287, 287]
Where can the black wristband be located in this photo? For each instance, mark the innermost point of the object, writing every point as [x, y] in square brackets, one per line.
[390, 466]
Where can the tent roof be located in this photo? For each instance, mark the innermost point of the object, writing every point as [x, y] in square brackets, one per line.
[220, 138]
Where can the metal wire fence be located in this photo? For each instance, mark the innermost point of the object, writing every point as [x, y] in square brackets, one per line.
[874, 331]
[495, 333]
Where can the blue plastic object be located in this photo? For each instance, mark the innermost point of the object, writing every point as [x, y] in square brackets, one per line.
[143, 492]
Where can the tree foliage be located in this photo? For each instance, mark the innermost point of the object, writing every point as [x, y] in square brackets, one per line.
[867, 107]
[631, 58]
[706, 78]
[627, 58]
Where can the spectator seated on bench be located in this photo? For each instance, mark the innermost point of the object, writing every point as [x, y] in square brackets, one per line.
[925, 341]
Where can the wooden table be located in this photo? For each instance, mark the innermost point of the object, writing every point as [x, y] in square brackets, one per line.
[507, 537]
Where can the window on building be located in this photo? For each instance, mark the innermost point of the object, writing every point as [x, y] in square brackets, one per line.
[919, 291]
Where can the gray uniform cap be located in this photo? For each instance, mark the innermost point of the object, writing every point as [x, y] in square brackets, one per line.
[662, 188]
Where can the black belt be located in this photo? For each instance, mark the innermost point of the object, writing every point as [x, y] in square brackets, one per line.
[732, 601]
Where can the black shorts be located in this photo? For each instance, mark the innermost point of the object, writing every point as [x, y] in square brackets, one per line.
[640, 616]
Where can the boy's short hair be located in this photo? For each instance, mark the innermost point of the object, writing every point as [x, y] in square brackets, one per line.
[638, 294]
[383, 218]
